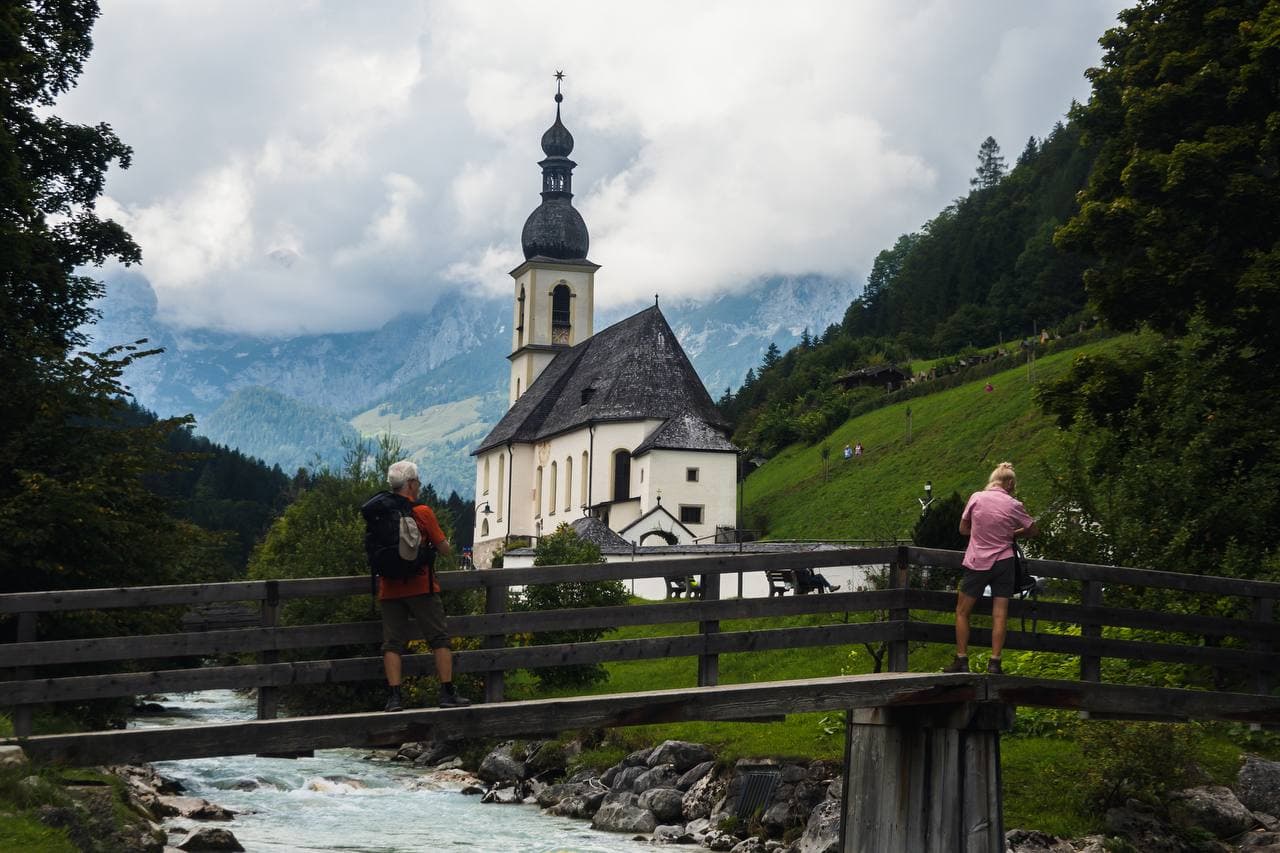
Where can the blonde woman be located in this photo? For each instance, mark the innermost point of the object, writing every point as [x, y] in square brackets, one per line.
[992, 520]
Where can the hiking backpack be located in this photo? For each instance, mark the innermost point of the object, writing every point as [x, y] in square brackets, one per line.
[393, 544]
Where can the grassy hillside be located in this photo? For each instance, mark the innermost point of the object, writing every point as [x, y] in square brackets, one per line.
[957, 437]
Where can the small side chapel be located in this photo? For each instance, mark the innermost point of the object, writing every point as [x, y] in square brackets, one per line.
[611, 428]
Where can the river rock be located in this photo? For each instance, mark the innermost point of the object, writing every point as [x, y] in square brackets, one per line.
[1211, 807]
[191, 807]
[1260, 841]
[719, 840]
[639, 758]
[620, 812]
[661, 776]
[209, 839]
[704, 794]
[1034, 841]
[835, 791]
[501, 765]
[665, 803]
[693, 774]
[672, 834]
[822, 831]
[778, 818]
[1140, 825]
[1258, 785]
[682, 754]
[625, 780]
[507, 796]
[582, 805]
[751, 845]
[12, 756]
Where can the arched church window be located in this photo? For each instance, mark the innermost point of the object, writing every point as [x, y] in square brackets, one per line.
[484, 529]
[502, 492]
[568, 483]
[551, 495]
[586, 485]
[621, 475]
[561, 313]
[486, 475]
[537, 494]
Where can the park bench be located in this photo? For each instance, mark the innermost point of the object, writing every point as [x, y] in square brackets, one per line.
[780, 581]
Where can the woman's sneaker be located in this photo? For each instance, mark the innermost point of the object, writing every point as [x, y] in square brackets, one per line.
[960, 664]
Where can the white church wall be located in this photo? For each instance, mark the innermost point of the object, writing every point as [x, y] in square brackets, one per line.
[609, 438]
[715, 489]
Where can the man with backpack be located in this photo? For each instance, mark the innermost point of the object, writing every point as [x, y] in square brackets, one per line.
[401, 536]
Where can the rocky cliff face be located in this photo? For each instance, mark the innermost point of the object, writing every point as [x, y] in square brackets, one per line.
[436, 378]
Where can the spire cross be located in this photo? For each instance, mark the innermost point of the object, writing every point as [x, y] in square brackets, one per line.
[560, 75]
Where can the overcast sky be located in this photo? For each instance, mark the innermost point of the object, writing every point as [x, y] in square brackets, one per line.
[310, 166]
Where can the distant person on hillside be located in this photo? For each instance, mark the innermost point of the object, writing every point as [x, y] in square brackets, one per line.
[857, 450]
[848, 452]
[989, 388]
[992, 520]
[416, 597]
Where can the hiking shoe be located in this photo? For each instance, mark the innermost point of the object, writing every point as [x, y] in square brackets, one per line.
[993, 667]
[394, 702]
[959, 664]
[450, 699]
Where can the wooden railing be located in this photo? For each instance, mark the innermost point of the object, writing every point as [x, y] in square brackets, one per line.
[32, 665]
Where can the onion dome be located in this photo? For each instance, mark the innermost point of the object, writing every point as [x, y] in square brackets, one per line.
[555, 229]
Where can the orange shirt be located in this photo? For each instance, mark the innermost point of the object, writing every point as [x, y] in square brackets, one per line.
[425, 582]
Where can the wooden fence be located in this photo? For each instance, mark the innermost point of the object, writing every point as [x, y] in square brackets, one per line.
[1245, 644]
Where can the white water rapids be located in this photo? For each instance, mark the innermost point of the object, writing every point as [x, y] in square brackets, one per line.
[354, 800]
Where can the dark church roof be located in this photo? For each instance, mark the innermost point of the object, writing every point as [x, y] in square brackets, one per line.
[633, 370]
[685, 431]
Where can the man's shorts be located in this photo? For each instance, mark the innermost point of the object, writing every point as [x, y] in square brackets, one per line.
[426, 610]
[999, 576]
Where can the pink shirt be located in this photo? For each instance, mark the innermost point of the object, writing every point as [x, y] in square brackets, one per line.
[993, 515]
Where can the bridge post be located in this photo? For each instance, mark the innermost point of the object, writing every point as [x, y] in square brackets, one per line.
[924, 779]
[495, 601]
[709, 664]
[1091, 665]
[900, 578]
[26, 633]
[1263, 611]
[269, 618]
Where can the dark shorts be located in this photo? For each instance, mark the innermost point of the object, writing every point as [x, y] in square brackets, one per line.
[999, 576]
[426, 610]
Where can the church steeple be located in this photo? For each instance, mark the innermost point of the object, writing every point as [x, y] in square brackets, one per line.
[555, 229]
[554, 289]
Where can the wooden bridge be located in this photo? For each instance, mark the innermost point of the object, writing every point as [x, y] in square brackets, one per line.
[922, 750]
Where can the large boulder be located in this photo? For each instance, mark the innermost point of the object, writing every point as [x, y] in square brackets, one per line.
[673, 834]
[639, 758]
[750, 845]
[822, 832]
[682, 754]
[1140, 826]
[665, 803]
[699, 799]
[662, 776]
[1258, 785]
[573, 799]
[501, 765]
[693, 774]
[12, 756]
[210, 839]
[1211, 807]
[621, 813]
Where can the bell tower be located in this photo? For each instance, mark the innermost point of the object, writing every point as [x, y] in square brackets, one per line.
[554, 289]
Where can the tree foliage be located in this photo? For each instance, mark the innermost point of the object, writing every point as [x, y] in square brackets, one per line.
[563, 548]
[75, 509]
[990, 165]
[1174, 460]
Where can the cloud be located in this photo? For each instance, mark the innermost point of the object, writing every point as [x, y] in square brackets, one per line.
[313, 166]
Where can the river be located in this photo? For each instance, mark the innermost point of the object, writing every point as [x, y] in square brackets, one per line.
[354, 800]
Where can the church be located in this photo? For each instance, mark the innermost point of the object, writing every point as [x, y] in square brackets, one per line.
[611, 431]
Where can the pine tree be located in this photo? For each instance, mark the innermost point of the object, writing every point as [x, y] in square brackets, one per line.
[771, 356]
[990, 165]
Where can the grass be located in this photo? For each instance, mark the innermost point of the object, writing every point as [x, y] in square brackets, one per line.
[957, 437]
